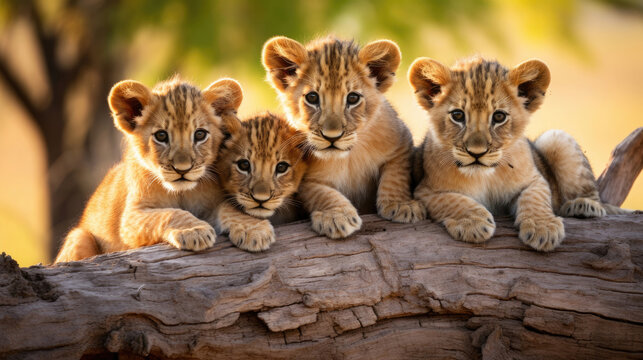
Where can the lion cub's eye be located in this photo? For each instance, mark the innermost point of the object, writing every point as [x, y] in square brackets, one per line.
[312, 98]
[457, 115]
[282, 167]
[498, 117]
[161, 136]
[352, 98]
[243, 165]
[200, 135]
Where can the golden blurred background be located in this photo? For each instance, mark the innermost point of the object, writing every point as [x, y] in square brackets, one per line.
[59, 58]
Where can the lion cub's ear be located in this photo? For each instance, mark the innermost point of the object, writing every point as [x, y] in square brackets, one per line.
[382, 58]
[281, 57]
[127, 100]
[225, 96]
[532, 80]
[428, 79]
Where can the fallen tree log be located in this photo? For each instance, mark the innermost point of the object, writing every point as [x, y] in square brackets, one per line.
[392, 291]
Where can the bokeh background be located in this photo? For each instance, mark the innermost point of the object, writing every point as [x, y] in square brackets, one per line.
[59, 58]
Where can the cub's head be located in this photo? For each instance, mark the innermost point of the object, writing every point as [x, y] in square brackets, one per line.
[261, 163]
[478, 108]
[331, 88]
[174, 130]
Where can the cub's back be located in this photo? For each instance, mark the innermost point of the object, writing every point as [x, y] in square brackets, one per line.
[102, 213]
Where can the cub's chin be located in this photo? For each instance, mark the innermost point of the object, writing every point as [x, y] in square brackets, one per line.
[331, 153]
[475, 168]
[179, 185]
[262, 213]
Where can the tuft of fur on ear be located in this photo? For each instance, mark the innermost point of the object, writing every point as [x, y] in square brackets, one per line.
[532, 79]
[281, 56]
[127, 100]
[382, 58]
[428, 78]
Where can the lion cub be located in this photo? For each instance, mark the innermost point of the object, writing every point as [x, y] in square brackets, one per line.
[260, 167]
[334, 92]
[163, 186]
[476, 160]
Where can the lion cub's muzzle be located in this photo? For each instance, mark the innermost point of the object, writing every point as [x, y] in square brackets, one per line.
[262, 202]
[183, 167]
[183, 173]
[472, 157]
[328, 142]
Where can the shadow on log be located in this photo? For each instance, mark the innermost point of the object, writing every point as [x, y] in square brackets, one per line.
[392, 291]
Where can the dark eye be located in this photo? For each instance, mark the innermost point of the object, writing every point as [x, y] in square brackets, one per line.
[200, 134]
[282, 167]
[457, 115]
[161, 136]
[499, 117]
[352, 98]
[312, 98]
[243, 165]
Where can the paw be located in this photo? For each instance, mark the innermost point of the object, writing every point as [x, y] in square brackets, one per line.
[336, 222]
[582, 208]
[252, 236]
[542, 234]
[410, 211]
[196, 238]
[475, 226]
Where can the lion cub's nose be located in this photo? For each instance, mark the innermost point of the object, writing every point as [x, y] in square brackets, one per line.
[181, 171]
[477, 153]
[333, 135]
[476, 145]
[182, 163]
[261, 192]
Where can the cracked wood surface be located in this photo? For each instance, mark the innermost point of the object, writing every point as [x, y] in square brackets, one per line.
[392, 291]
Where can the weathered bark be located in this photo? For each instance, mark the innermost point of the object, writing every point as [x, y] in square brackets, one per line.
[622, 170]
[390, 291]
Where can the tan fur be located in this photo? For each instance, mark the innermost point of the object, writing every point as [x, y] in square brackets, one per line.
[161, 191]
[260, 192]
[511, 175]
[361, 152]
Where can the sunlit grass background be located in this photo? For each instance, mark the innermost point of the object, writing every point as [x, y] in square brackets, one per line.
[594, 51]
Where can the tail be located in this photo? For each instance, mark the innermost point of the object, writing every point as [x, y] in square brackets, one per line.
[79, 244]
[615, 210]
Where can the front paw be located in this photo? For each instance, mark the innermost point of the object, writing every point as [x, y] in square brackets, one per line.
[252, 236]
[475, 226]
[410, 211]
[336, 222]
[196, 238]
[582, 208]
[542, 234]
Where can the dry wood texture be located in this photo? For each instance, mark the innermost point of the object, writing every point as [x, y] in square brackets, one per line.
[392, 291]
[622, 170]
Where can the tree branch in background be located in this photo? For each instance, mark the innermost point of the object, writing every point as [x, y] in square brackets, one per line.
[18, 90]
[624, 167]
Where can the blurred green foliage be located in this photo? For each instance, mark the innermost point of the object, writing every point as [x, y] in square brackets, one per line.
[233, 32]
[200, 34]
[204, 33]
